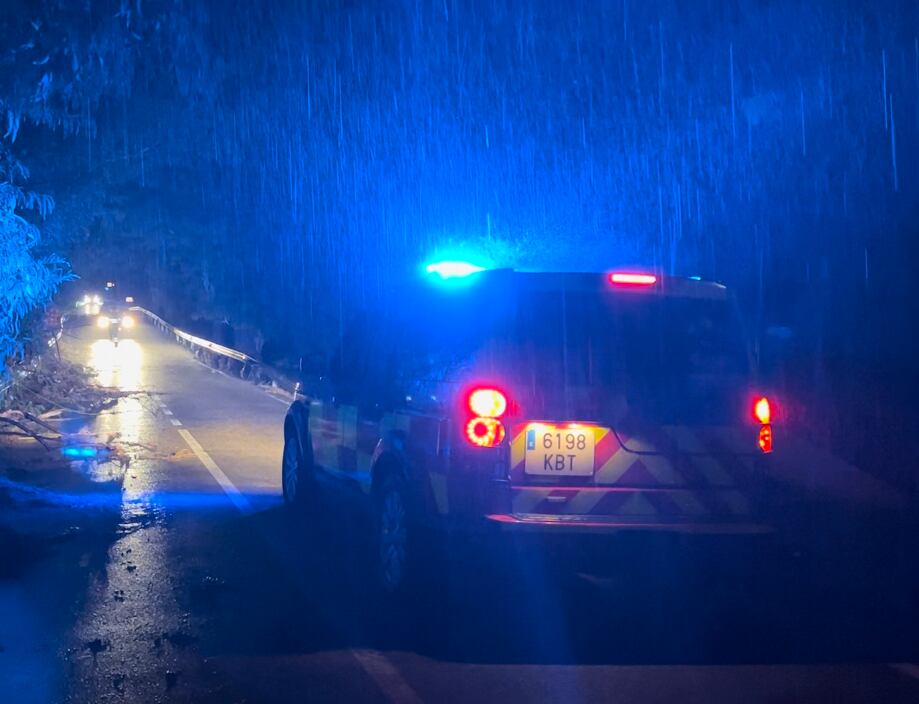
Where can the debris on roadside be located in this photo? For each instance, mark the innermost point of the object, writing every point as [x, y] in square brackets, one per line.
[47, 387]
[44, 396]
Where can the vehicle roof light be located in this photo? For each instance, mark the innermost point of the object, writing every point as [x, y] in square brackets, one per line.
[623, 278]
[453, 269]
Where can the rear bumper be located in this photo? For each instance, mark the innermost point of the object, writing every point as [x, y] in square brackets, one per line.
[604, 525]
[508, 507]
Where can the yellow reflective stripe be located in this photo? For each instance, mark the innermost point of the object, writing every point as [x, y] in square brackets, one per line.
[525, 500]
[637, 505]
[711, 468]
[613, 469]
[584, 502]
[714, 473]
[518, 448]
[662, 470]
[688, 503]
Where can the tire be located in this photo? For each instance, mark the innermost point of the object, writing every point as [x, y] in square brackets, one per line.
[296, 480]
[394, 545]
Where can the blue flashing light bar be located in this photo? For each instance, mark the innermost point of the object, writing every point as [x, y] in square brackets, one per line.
[453, 269]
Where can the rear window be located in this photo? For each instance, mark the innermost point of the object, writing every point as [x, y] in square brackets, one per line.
[449, 332]
[585, 354]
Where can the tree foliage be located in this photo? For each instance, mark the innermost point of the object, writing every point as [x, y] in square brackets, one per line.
[57, 60]
[26, 281]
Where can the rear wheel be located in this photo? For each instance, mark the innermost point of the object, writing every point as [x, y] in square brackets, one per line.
[294, 479]
[393, 549]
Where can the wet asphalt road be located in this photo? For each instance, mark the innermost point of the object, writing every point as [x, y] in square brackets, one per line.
[210, 591]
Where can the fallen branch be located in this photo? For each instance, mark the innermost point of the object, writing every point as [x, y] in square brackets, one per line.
[25, 430]
[39, 421]
[15, 434]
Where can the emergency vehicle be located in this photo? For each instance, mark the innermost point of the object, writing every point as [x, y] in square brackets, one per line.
[497, 400]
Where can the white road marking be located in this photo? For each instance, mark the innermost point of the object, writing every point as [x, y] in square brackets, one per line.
[907, 668]
[167, 411]
[285, 401]
[234, 494]
[386, 676]
[175, 421]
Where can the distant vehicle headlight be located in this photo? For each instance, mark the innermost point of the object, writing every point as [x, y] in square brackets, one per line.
[97, 300]
[102, 321]
[127, 321]
[129, 299]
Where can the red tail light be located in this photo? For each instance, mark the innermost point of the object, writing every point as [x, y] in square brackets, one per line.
[762, 410]
[765, 438]
[487, 404]
[485, 432]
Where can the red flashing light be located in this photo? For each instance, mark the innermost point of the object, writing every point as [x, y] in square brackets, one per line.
[485, 432]
[765, 438]
[762, 410]
[487, 402]
[628, 279]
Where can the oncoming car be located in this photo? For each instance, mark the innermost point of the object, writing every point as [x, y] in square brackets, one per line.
[562, 403]
[115, 319]
[89, 304]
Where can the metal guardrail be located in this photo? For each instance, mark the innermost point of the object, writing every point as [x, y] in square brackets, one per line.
[224, 358]
[221, 357]
[199, 342]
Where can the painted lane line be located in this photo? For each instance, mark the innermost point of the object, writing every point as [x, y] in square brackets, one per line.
[234, 494]
[175, 421]
[167, 411]
[277, 398]
[907, 668]
[386, 676]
